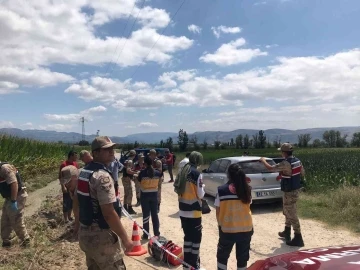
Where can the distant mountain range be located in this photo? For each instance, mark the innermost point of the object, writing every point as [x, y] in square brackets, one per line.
[155, 137]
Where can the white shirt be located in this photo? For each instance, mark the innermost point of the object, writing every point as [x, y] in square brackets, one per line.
[182, 163]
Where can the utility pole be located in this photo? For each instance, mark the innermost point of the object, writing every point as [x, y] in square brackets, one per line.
[82, 120]
[98, 132]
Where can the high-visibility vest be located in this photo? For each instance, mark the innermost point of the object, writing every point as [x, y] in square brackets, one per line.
[189, 202]
[234, 215]
[149, 184]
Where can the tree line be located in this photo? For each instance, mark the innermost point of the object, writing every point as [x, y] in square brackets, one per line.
[330, 138]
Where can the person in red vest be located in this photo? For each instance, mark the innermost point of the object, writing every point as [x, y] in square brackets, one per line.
[67, 201]
[169, 159]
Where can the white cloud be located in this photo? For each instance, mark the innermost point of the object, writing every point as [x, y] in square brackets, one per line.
[28, 125]
[147, 125]
[75, 117]
[260, 3]
[299, 82]
[6, 124]
[152, 114]
[37, 34]
[271, 46]
[169, 78]
[224, 29]
[230, 54]
[194, 29]
[57, 127]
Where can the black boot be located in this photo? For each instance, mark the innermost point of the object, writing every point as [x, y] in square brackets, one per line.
[6, 244]
[138, 202]
[297, 241]
[286, 234]
[126, 207]
[131, 210]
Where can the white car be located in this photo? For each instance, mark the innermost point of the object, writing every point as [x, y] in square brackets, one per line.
[265, 184]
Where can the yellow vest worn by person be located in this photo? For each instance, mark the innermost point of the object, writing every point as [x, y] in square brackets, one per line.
[234, 216]
[189, 202]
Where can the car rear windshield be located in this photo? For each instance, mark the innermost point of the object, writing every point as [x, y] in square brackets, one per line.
[251, 167]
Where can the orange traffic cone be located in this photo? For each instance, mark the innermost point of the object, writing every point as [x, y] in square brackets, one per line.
[138, 249]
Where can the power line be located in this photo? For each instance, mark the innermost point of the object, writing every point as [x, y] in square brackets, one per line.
[132, 27]
[162, 32]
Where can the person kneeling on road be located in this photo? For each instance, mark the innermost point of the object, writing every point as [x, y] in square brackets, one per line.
[234, 218]
[14, 193]
[100, 225]
[149, 181]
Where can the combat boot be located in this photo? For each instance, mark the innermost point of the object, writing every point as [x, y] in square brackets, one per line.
[286, 234]
[6, 244]
[131, 210]
[138, 203]
[297, 241]
[126, 207]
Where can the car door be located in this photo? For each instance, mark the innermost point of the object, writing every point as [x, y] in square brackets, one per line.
[220, 178]
[209, 177]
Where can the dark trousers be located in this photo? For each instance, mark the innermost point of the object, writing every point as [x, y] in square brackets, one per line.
[170, 171]
[225, 245]
[192, 238]
[67, 202]
[149, 205]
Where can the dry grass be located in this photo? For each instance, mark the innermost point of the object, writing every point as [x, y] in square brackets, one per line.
[51, 248]
[339, 207]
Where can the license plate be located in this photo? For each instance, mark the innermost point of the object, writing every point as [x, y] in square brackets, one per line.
[265, 193]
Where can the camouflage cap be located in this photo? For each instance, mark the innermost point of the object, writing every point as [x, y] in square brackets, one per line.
[286, 147]
[83, 153]
[101, 142]
[132, 153]
[141, 155]
[152, 151]
[67, 173]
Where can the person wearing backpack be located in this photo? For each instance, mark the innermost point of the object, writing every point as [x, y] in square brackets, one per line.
[190, 189]
[234, 218]
[14, 192]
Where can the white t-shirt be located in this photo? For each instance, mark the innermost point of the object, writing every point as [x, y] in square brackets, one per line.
[182, 163]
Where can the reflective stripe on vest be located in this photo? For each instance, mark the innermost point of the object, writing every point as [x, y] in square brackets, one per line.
[291, 183]
[189, 203]
[234, 215]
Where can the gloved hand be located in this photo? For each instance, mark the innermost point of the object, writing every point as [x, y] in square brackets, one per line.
[14, 206]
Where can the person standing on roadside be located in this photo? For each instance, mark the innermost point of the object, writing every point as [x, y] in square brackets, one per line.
[182, 162]
[190, 189]
[85, 157]
[67, 201]
[128, 176]
[100, 225]
[157, 164]
[149, 184]
[291, 170]
[139, 165]
[12, 217]
[169, 159]
[233, 215]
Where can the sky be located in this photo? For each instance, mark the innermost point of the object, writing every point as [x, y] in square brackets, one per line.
[137, 66]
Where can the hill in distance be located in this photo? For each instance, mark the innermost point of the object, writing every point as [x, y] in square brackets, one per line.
[155, 137]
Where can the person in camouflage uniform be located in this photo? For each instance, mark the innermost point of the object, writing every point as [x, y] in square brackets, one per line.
[291, 170]
[101, 234]
[14, 193]
[128, 175]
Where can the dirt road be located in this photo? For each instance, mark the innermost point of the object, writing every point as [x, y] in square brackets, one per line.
[268, 220]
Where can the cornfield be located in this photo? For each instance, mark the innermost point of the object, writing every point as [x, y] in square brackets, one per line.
[32, 157]
[326, 168]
